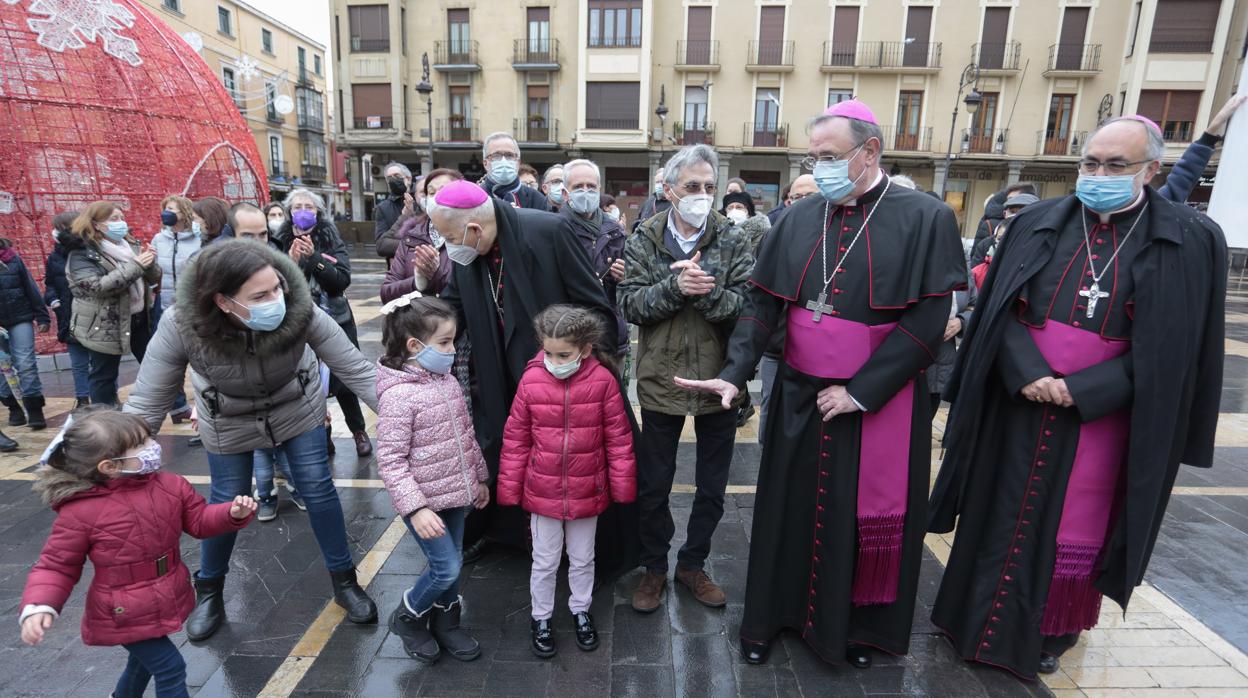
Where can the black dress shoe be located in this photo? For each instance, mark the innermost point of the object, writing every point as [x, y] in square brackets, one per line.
[209, 611]
[1049, 664]
[543, 638]
[586, 635]
[474, 552]
[858, 657]
[7, 445]
[754, 652]
[353, 599]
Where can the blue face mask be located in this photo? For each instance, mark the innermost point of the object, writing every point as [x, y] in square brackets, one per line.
[583, 201]
[1105, 194]
[117, 231]
[264, 317]
[504, 171]
[556, 193]
[833, 178]
[434, 361]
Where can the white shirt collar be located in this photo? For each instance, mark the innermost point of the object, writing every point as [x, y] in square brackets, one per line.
[879, 175]
[685, 244]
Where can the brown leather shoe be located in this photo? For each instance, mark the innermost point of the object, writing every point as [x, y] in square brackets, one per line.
[703, 589]
[649, 591]
[363, 447]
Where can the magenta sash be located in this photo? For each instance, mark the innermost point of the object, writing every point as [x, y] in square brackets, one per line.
[835, 348]
[1074, 603]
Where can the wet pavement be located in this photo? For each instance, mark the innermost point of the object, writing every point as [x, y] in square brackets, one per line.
[1185, 634]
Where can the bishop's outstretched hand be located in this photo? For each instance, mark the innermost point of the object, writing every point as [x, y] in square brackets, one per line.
[726, 391]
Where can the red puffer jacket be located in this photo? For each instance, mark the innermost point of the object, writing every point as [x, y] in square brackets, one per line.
[130, 528]
[568, 445]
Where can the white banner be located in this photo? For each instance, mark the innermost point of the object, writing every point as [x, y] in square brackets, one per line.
[1228, 204]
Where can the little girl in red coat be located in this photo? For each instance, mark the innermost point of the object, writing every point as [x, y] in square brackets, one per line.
[567, 454]
[114, 506]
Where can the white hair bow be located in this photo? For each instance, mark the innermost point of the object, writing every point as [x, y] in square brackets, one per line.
[400, 302]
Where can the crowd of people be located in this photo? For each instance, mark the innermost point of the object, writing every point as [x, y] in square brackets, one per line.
[504, 416]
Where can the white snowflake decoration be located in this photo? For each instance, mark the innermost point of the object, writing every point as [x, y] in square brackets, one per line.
[6, 202]
[246, 68]
[66, 23]
[194, 40]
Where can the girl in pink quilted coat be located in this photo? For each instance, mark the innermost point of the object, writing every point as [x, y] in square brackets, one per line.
[567, 454]
[427, 455]
[115, 507]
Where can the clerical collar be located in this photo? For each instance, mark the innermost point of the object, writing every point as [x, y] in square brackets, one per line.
[685, 244]
[1119, 215]
[868, 194]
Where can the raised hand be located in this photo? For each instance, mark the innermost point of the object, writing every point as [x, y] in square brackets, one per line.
[1217, 125]
[425, 261]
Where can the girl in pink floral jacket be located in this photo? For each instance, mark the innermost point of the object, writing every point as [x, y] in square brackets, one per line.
[428, 457]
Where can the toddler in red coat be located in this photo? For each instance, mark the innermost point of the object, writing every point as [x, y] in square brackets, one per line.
[567, 454]
[115, 507]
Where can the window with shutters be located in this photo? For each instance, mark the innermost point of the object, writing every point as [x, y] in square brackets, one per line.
[612, 105]
[992, 44]
[538, 113]
[459, 36]
[699, 47]
[1173, 110]
[538, 34]
[615, 23]
[1057, 128]
[844, 46]
[1184, 26]
[918, 36]
[982, 135]
[371, 106]
[766, 117]
[369, 26]
[909, 116]
[1071, 52]
[460, 112]
[694, 124]
[771, 48]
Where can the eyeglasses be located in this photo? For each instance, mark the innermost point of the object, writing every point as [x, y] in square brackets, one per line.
[799, 197]
[1090, 166]
[698, 187]
[496, 157]
[810, 161]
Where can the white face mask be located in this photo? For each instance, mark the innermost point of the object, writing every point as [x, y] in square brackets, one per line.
[694, 209]
[275, 225]
[462, 254]
[737, 216]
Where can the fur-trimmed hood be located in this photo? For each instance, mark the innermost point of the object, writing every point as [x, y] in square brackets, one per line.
[299, 309]
[56, 487]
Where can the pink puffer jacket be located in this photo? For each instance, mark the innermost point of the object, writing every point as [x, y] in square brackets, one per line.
[568, 445]
[427, 453]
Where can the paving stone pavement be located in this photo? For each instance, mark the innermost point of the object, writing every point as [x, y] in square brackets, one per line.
[1184, 635]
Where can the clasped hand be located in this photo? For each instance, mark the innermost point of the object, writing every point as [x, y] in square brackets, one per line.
[691, 279]
[1049, 389]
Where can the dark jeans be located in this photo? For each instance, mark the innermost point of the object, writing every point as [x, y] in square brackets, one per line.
[347, 400]
[656, 468]
[440, 582]
[104, 367]
[156, 658]
[309, 468]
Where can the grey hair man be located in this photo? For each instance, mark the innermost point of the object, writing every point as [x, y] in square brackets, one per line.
[655, 203]
[553, 187]
[397, 203]
[600, 236]
[501, 155]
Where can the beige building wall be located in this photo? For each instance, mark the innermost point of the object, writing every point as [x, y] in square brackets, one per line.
[302, 156]
[1108, 71]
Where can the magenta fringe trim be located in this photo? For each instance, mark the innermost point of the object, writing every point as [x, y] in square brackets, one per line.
[878, 567]
[1074, 604]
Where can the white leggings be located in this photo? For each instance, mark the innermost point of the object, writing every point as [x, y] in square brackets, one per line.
[549, 538]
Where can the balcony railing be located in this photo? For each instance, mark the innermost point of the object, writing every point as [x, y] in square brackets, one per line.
[882, 54]
[1176, 131]
[536, 53]
[770, 52]
[533, 130]
[985, 140]
[1181, 46]
[271, 114]
[999, 55]
[455, 53]
[1064, 143]
[305, 77]
[373, 122]
[615, 41]
[701, 52]
[909, 139]
[1074, 58]
[279, 169]
[359, 45]
[764, 135]
[703, 133]
[312, 173]
[629, 124]
[311, 122]
[458, 130]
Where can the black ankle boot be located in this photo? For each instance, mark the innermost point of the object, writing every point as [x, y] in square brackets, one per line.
[413, 630]
[82, 402]
[455, 640]
[754, 652]
[17, 417]
[209, 610]
[34, 413]
[586, 635]
[1049, 663]
[348, 594]
[7, 445]
[858, 656]
[543, 638]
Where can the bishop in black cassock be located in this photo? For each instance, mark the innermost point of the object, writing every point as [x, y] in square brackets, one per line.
[840, 509]
[1091, 368]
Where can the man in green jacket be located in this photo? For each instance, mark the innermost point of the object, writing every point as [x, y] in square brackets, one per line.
[686, 272]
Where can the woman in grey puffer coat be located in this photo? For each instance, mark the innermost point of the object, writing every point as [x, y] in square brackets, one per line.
[245, 323]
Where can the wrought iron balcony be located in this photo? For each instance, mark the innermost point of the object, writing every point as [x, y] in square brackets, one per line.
[458, 129]
[278, 169]
[455, 56]
[312, 173]
[702, 133]
[881, 55]
[1060, 142]
[985, 140]
[535, 130]
[1074, 59]
[701, 54]
[373, 122]
[626, 124]
[765, 135]
[999, 55]
[770, 54]
[535, 54]
[907, 139]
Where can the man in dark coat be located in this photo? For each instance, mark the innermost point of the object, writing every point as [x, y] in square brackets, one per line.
[655, 204]
[502, 166]
[1092, 368]
[510, 264]
[602, 238]
[398, 201]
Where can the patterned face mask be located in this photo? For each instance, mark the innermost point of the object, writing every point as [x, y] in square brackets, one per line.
[148, 458]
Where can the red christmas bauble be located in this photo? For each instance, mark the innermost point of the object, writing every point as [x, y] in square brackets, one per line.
[101, 100]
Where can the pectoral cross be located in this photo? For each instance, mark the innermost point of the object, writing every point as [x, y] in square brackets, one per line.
[818, 305]
[1093, 294]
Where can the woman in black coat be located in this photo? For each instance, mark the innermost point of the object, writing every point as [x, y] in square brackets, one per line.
[61, 302]
[21, 309]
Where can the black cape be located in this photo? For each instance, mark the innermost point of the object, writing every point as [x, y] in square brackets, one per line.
[544, 264]
[1177, 353]
[803, 545]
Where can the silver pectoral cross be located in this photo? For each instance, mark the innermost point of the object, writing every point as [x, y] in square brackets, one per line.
[1094, 295]
[818, 305]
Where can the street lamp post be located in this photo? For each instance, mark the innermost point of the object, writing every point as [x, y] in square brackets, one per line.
[970, 76]
[426, 90]
[661, 112]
